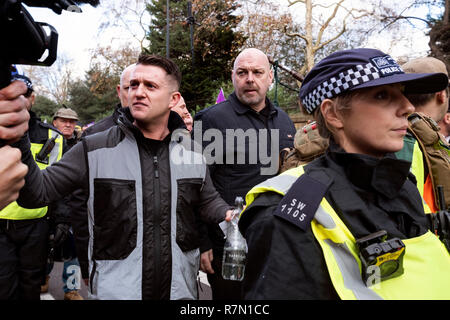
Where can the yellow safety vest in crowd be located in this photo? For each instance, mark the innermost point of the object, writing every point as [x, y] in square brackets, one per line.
[15, 212]
[418, 169]
[426, 261]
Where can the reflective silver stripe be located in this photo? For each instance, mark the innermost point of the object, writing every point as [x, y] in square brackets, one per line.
[350, 271]
[323, 218]
[346, 262]
[281, 183]
[54, 154]
[116, 162]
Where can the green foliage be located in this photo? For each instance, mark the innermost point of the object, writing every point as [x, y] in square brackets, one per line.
[94, 97]
[440, 36]
[216, 44]
[227, 87]
[179, 42]
[91, 105]
[286, 99]
[45, 107]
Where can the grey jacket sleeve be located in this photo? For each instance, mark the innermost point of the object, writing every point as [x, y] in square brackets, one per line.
[60, 179]
[212, 207]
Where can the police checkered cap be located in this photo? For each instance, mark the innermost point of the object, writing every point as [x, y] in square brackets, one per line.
[348, 70]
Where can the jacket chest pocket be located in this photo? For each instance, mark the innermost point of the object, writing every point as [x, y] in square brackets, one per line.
[115, 219]
[188, 237]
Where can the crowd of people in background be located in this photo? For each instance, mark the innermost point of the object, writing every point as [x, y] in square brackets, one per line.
[132, 204]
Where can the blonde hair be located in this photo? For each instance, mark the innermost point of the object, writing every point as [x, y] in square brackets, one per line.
[342, 104]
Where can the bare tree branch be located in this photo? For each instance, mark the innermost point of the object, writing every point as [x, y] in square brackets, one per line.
[295, 34]
[327, 22]
[290, 3]
[397, 18]
[337, 36]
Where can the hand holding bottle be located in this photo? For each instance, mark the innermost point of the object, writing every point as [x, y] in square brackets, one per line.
[235, 248]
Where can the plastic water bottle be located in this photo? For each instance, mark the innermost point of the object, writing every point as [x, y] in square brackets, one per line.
[235, 248]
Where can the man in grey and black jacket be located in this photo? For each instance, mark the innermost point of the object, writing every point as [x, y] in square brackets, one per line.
[144, 185]
[78, 200]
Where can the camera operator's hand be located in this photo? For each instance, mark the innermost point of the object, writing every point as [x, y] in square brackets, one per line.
[14, 115]
[12, 173]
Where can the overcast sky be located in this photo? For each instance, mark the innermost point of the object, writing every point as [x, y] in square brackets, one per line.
[78, 33]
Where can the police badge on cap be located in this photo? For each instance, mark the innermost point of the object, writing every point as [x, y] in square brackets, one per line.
[354, 69]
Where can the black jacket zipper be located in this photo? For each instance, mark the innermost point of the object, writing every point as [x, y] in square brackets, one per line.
[157, 230]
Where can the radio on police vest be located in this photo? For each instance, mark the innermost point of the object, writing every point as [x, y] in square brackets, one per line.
[43, 155]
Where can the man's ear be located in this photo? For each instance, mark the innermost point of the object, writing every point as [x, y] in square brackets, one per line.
[174, 99]
[271, 75]
[118, 90]
[447, 118]
[441, 96]
[331, 116]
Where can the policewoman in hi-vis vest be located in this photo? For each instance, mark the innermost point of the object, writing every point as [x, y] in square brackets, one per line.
[24, 232]
[350, 224]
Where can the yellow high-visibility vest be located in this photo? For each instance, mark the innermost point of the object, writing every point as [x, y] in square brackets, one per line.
[15, 212]
[426, 261]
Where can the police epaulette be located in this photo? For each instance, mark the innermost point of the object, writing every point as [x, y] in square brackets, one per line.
[301, 202]
[48, 126]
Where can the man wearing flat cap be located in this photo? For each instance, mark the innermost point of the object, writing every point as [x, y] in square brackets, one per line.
[24, 232]
[65, 120]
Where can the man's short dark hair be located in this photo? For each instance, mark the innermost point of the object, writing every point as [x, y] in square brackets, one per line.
[166, 64]
[419, 100]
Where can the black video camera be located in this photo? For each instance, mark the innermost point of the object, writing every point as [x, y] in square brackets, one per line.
[26, 41]
[380, 259]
